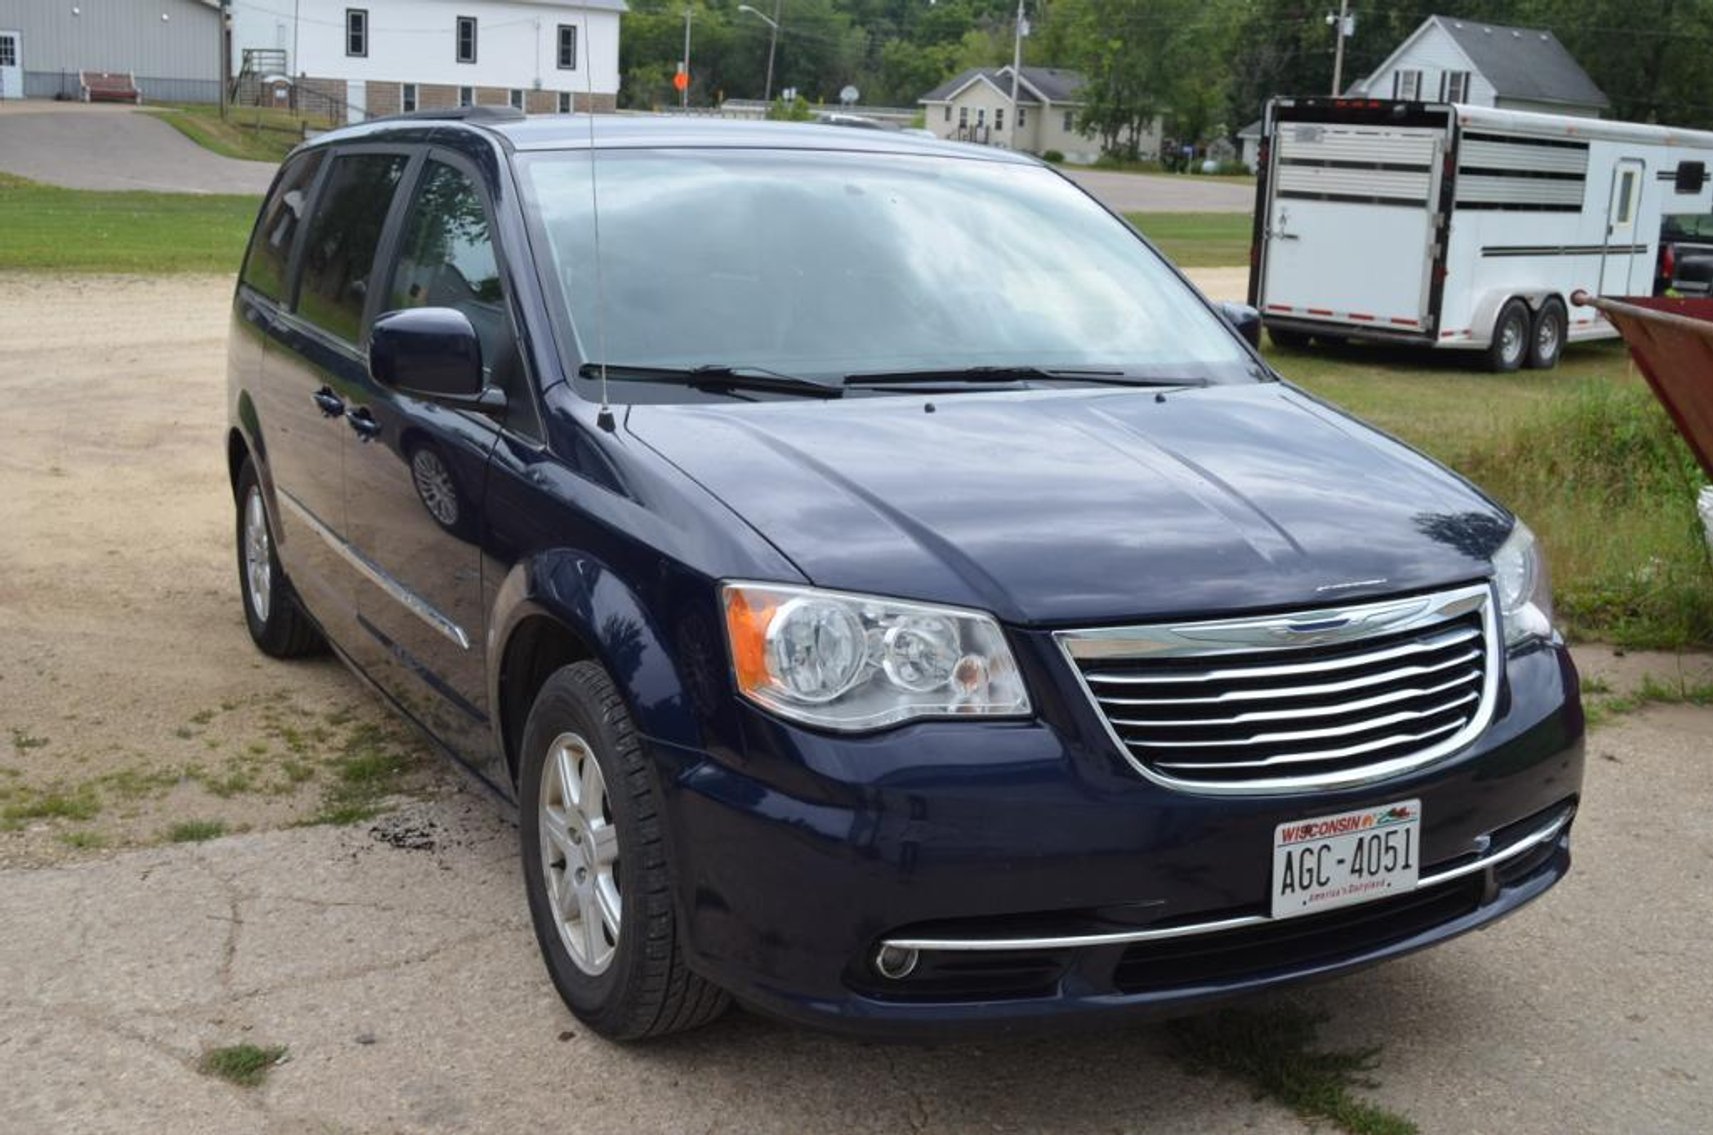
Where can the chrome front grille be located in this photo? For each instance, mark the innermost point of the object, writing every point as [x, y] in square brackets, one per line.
[1309, 699]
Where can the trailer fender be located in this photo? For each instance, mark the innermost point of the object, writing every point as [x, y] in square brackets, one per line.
[1487, 310]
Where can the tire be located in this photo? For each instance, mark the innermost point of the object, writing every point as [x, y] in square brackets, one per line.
[1546, 336]
[272, 611]
[1510, 346]
[1290, 340]
[625, 976]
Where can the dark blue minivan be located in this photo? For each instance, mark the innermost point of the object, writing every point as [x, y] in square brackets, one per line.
[892, 595]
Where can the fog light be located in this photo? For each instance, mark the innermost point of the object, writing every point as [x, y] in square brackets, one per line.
[894, 963]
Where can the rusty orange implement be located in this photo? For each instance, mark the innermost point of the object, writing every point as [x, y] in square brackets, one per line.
[1672, 342]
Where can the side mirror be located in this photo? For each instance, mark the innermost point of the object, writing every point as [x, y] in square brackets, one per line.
[1244, 320]
[432, 352]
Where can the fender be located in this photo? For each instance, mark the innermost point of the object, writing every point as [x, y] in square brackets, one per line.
[595, 605]
[1486, 310]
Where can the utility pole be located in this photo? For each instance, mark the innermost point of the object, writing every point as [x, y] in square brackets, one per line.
[1340, 29]
[225, 24]
[1016, 66]
[684, 94]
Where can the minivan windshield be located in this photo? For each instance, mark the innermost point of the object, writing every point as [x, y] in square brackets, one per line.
[824, 265]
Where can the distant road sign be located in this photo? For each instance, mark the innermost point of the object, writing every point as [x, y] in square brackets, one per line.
[849, 95]
[681, 81]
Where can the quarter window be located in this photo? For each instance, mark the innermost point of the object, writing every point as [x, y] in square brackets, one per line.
[466, 39]
[567, 47]
[356, 31]
[269, 257]
[447, 259]
[407, 97]
[339, 251]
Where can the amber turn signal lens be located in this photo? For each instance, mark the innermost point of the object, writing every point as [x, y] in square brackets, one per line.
[746, 625]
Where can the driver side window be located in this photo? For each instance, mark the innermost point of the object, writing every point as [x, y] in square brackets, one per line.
[446, 258]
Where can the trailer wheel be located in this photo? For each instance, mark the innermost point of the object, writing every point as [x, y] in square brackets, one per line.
[1290, 340]
[1510, 344]
[1546, 341]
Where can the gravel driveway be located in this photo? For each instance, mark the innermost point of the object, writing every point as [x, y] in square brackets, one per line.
[95, 146]
[394, 958]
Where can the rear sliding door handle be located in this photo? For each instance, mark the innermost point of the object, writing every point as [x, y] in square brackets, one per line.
[363, 422]
[328, 402]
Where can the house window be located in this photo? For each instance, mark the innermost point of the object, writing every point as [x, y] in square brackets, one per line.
[564, 102]
[407, 98]
[981, 116]
[963, 117]
[466, 96]
[1022, 116]
[567, 47]
[1456, 86]
[999, 118]
[1407, 85]
[948, 112]
[1070, 121]
[356, 31]
[516, 98]
[466, 39]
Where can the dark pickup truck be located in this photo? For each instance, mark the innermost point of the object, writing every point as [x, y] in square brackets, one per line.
[1685, 256]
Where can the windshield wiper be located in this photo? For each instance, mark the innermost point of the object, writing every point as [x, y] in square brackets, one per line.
[1011, 376]
[716, 376]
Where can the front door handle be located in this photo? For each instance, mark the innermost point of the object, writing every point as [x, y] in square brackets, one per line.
[363, 422]
[329, 403]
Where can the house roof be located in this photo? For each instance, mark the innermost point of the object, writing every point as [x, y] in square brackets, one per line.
[1034, 84]
[1520, 63]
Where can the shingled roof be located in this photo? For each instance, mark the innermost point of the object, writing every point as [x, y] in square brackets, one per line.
[1524, 63]
[1037, 84]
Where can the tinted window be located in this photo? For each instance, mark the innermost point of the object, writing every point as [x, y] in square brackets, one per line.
[340, 250]
[446, 258]
[270, 245]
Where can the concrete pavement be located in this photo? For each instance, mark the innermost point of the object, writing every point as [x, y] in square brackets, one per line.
[83, 146]
[398, 967]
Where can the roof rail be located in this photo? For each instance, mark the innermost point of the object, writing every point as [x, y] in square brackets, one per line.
[458, 114]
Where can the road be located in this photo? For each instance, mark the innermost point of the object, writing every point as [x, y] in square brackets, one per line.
[83, 146]
[1158, 193]
[395, 961]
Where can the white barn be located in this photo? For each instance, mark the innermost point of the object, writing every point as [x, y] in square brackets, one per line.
[372, 57]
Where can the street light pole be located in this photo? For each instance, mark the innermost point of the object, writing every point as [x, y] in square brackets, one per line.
[772, 41]
[1016, 67]
[1339, 29]
[684, 95]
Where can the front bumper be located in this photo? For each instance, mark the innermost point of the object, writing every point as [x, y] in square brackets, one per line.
[1090, 893]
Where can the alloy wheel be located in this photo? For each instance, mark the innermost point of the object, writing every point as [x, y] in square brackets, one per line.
[580, 853]
[258, 555]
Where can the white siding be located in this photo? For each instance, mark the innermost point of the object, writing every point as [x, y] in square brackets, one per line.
[415, 41]
[1433, 54]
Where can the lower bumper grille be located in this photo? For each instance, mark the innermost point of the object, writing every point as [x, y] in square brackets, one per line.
[1315, 698]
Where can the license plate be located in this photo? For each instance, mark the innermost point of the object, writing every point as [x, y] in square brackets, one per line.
[1351, 857]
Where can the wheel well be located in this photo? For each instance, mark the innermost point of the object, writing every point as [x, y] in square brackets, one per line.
[236, 452]
[537, 647]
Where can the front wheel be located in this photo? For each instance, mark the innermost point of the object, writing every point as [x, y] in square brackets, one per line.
[1546, 342]
[1510, 344]
[595, 866]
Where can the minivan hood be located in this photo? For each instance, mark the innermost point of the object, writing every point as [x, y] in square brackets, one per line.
[1087, 505]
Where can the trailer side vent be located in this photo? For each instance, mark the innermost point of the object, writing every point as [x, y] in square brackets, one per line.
[1691, 176]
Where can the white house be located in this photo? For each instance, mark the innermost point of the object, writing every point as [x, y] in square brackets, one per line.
[971, 107]
[1466, 61]
[369, 57]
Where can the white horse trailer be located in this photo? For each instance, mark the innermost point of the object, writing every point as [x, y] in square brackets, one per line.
[1460, 227]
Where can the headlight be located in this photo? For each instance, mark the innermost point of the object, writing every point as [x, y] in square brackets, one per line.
[1525, 595]
[851, 662]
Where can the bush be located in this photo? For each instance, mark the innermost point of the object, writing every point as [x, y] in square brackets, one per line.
[797, 110]
[1054, 156]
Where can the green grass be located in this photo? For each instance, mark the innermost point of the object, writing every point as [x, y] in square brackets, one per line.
[1602, 706]
[372, 767]
[1274, 1050]
[46, 228]
[196, 831]
[1198, 240]
[246, 1065]
[248, 133]
[1583, 453]
[83, 841]
[81, 804]
[23, 740]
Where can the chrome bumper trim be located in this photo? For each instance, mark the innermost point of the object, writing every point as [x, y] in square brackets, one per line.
[1548, 831]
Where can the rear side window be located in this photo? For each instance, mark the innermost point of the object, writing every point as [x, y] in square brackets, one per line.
[339, 253]
[270, 245]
